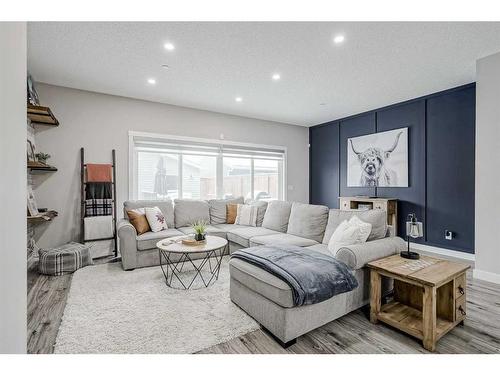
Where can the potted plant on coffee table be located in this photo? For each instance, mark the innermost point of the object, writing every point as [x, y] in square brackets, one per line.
[200, 228]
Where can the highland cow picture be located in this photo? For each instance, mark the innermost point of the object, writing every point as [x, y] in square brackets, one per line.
[378, 160]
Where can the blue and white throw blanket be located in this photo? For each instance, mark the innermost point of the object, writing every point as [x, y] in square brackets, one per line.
[313, 277]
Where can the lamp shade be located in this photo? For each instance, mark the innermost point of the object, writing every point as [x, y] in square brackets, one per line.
[414, 229]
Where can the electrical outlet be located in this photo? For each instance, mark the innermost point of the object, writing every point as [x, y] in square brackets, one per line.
[448, 234]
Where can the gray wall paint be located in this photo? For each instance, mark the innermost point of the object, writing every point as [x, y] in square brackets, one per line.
[101, 122]
[487, 162]
[13, 188]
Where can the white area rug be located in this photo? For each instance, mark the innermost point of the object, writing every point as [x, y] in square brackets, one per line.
[113, 311]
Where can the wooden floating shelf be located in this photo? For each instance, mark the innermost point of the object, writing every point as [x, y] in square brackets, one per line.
[42, 217]
[41, 116]
[41, 168]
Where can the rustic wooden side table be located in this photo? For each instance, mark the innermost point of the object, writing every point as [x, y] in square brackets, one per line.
[429, 296]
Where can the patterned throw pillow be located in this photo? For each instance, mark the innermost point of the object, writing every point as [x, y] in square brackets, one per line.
[246, 215]
[156, 219]
[137, 218]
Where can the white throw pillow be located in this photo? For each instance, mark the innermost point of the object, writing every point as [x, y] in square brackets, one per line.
[345, 234]
[156, 219]
[246, 215]
[364, 228]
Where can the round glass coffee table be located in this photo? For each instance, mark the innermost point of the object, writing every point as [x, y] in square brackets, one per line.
[174, 255]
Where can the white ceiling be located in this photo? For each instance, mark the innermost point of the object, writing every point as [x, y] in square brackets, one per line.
[377, 65]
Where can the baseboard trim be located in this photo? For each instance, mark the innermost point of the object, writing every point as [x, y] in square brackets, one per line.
[486, 276]
[445, 252]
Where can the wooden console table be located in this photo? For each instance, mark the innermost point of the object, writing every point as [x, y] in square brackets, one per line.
[429, 296]
[389, 205]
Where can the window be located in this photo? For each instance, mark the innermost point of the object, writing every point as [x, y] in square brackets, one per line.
[158, 175]
[237, 177]
[165, 167]
[267, 183]
[199, 179]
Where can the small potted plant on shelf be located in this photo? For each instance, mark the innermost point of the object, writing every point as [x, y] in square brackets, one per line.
[42, 157]
[200, 228]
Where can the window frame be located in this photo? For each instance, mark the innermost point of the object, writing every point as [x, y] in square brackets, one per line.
[133, 157]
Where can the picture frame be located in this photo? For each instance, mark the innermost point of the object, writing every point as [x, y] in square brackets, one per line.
[30, 152]
[32, 94]
[32, 206]
[378, 159]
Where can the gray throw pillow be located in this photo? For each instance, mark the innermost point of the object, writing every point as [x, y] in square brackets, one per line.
[218, 209]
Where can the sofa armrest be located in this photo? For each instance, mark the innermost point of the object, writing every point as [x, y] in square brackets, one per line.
[128, 243]
[356, 256]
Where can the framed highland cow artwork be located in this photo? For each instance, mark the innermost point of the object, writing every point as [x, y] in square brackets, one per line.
[378, 160]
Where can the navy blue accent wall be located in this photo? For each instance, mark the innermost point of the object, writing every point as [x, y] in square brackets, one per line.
[441, 152]
[450, 168]
[353, 127]
[411, 199]
[325, 169]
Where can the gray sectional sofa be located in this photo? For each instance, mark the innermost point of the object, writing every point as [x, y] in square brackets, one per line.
[263, 296]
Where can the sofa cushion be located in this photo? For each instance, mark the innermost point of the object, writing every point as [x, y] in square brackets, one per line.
[148, 240]
[261, 211]
[281, 239]
[242, 236]
[377, 218]
[277, 215]
[228, 227]
[261, 282]
[211, 231]
[165, 206]
[218, 209]
[308, 221]
[188, 211]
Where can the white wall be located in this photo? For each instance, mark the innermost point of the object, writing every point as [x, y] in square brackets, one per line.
[13, 187]
[101, 122]
[487, 169]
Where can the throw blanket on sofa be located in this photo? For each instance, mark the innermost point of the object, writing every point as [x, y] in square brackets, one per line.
[312, 276]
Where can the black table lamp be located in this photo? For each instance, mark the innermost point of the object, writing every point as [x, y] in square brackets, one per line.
[414, 229]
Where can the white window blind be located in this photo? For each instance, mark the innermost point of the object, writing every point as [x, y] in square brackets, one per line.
[164, 167]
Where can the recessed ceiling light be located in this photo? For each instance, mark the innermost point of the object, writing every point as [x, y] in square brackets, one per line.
[276, 77]
[165, 66]
[322, 103]
[238, 99]
[338, 39]
[152, 81]
[169, 46]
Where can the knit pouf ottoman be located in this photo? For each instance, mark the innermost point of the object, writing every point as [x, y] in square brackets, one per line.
[64, 259]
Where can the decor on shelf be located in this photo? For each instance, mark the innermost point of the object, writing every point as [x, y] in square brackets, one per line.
[32, 93]
[379, 159]
[32, 207]
[200, 228]
[414, 229]
[42, 157]
[30, 143]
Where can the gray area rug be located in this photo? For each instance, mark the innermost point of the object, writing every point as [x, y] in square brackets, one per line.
[113, 311]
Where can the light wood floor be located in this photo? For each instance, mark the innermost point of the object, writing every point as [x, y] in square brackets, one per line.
[352, 333]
